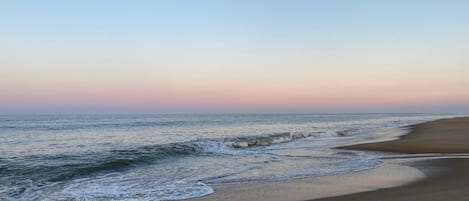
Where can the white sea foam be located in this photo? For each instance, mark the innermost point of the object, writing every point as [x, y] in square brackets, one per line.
[127, 186]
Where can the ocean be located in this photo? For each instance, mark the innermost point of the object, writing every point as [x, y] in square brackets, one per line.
[179, 156]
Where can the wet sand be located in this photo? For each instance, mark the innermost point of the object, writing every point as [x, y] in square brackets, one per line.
[450, 183]
[389, 175]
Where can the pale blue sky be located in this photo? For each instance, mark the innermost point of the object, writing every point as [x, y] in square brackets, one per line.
[188, 50]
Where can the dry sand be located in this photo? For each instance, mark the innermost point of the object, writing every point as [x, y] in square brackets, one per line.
[441, 136]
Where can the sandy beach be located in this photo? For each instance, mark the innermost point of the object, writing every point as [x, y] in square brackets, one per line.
[441, 136]
[398, 179]
[448, 181]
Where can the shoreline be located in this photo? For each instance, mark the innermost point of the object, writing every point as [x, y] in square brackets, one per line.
[447, 179]
[450, 182]
[438, 136]
[421, 173]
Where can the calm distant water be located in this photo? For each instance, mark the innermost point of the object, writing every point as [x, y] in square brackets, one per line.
[171, 157]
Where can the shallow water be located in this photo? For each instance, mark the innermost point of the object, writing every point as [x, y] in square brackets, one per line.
[171, 157]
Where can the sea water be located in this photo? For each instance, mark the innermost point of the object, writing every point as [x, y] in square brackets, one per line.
[177, 156]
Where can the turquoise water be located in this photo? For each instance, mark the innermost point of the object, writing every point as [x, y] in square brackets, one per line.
[171, 157]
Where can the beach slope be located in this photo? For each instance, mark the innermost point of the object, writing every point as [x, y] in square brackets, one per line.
[440, 136]
[450, 183]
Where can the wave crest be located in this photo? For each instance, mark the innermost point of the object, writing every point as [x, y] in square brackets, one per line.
[266, 140]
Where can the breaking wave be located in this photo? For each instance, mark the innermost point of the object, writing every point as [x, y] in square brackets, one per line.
[65, 167]
[46, 169]
[266, 140]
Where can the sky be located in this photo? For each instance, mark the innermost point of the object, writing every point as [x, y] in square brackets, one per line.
[234, 56]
